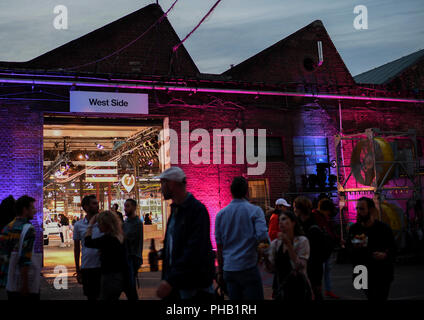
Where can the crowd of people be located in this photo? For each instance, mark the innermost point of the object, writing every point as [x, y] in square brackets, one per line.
[294, 242]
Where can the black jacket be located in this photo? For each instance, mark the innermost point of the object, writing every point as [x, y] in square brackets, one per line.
[316, 244]
[192, 264]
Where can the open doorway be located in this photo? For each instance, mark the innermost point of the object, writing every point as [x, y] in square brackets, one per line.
[112, 158]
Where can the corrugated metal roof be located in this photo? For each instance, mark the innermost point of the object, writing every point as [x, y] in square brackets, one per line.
[388, 71]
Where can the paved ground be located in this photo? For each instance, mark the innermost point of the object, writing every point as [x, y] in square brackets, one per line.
[408, 284]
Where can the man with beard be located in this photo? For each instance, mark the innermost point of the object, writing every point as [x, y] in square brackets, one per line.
[373, 246]
[188, 263]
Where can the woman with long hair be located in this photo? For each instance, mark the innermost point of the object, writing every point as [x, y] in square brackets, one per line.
[287, 259]
[112, 254]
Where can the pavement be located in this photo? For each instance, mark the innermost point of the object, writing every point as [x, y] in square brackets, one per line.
[408, 283]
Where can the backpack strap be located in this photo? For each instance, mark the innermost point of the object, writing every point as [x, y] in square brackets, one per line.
[22, 237]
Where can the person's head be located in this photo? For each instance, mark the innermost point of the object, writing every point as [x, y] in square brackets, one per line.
[365, 208]
[302, 208]
[282, 205]
[152, 244]
[7, 211]
[289, 223]
[239, 188]
[109, 223]
[115, 207]
[90, 205]
[130, 207]
[25, 207]
[326, 206]
[173, 183]
[147, 215]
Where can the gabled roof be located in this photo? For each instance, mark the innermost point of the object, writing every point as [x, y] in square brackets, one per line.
[149, 55]
[388, 71]
[284, 61]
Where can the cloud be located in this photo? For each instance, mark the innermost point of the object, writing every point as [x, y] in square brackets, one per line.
[236, 30]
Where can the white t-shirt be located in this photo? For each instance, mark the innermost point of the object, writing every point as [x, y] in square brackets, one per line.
[90, 258]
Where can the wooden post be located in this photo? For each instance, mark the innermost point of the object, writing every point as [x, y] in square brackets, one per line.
[136, 171]
[109, 194]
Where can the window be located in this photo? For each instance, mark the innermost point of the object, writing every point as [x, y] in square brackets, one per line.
[258, 193]
[308, 151]
[274, 149]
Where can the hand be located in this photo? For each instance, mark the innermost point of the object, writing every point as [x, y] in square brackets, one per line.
[220, 280]
[93, 220]
[342, 243]
[79, 276]
[164, 289]
[379, 255]
[285, 239]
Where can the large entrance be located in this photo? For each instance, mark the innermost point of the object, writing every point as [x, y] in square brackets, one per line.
[112, 158]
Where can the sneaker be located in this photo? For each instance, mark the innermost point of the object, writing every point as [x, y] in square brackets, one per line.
[331, 295]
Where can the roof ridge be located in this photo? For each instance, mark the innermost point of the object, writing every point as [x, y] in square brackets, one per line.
[418, 55]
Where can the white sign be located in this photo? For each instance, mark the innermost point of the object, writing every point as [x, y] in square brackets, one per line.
[109, 102]
[128, 181]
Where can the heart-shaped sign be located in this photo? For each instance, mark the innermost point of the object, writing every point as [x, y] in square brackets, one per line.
[128, 181]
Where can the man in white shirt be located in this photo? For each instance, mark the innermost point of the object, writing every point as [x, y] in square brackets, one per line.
[89, 273]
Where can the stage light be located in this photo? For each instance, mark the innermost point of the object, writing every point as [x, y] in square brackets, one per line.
[99, 146]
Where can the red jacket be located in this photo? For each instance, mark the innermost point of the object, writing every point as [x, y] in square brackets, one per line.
[274, 228]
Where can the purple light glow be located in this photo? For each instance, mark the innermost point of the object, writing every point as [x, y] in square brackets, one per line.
[206, 90]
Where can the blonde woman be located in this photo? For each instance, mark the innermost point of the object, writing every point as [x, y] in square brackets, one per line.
[112, 254]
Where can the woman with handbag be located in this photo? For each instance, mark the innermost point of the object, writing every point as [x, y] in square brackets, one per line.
[287, 258]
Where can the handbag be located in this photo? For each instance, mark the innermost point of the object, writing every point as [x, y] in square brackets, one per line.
[14, 279]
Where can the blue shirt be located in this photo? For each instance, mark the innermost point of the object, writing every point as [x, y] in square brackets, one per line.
[238, 228]
[90, 258]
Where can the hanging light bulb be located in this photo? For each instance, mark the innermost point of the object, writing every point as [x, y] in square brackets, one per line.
[99, 146]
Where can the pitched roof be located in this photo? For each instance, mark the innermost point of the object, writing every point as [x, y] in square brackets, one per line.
[284, 61]
[388, 71]
[150, 55]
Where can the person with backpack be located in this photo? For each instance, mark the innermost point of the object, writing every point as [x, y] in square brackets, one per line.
[20, 267]
[320, 248]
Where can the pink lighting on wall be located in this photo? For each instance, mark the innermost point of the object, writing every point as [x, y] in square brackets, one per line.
[123, 85]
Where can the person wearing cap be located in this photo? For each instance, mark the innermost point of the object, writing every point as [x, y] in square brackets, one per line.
[188, 266]
[281, 205]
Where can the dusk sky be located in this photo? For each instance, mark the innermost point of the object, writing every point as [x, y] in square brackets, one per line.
[236, 30]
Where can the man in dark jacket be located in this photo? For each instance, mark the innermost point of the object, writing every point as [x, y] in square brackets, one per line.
[188, 263]
[373, 246]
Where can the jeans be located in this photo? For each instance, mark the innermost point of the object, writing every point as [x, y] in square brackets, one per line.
[130, 287]
[328, 266]
[244, 285]
[91, 282]
[112, 285]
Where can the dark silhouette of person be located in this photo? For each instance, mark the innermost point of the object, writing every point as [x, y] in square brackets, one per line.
[7, 211]
[147, 220]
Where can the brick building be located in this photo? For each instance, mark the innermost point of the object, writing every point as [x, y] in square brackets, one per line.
[300, 97]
